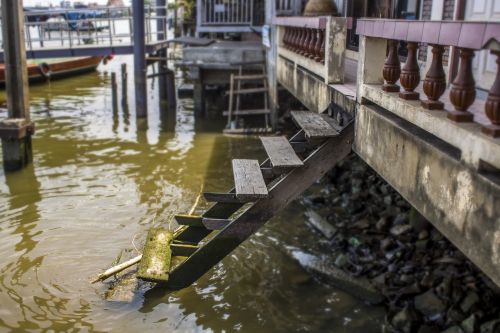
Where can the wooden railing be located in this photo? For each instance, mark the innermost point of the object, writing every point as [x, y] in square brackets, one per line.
[466, 36]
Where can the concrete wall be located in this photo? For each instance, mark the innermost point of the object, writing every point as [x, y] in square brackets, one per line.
[463, 204]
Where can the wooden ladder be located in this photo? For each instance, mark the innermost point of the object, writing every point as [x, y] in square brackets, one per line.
[236, 90]
[260, 192]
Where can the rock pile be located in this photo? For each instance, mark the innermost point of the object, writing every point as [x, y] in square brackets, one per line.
[427, 284]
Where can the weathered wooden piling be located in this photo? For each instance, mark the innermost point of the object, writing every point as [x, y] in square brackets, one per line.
[167, 77]
[124, 84]
[141, 103]
[114, 93]
[16, 131]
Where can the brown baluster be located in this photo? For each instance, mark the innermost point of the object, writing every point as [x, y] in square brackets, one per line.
[317, 47]
[300, 38]
[312, 44]
[392, 68]
[285, 37]
[322, 51]
[463, 89]
[435, 80]
[295, 38]
[410, 74]
[492, 106]
[305, 42]
[289, 38]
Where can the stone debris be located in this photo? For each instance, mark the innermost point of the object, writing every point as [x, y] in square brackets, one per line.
[427, 284]
[320, 224]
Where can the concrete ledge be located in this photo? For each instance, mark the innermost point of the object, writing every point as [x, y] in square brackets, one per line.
[461, 203]
[313, 66]
[306, 87]
[467, 137]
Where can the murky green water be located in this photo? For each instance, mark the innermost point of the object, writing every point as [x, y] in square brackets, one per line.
[100, 179]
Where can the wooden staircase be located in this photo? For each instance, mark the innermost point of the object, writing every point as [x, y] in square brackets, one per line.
[260, 192]
[236, 89]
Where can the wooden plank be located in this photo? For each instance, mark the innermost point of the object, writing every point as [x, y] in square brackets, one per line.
[215, 224]
[249, 130]
[183, 250]
[251, 77]
[222, 197]
[189, 220]
[192, 41]
[313, 124]
[280, 152]
[248, 112]
[156, 256]
[248, 179]
[250, 91]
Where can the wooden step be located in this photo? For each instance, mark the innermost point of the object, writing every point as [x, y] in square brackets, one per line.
[280, 152]
[249, 91]
[183, 250]
[248, 130]
[249, 112]
[250, 77]
[222, 197]
[215, 224]
[248, 180]
[313, 124]
[200, 221]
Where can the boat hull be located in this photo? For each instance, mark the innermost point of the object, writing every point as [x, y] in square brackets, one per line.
[57, 70]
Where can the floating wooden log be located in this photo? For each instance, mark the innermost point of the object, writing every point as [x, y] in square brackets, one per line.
[156, 257]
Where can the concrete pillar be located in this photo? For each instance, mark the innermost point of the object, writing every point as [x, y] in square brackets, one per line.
[199, 99]
[140, 68]
[16, 131]
[198, 91]
[371, 63]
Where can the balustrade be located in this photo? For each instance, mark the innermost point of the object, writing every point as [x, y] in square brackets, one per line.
[466, 37]
[492, 106]
[307, 42]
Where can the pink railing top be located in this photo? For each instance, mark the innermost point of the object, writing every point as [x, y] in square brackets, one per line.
[317, 22]
[464, 34]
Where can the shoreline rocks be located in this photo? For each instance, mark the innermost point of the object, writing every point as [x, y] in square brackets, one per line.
[427, 284]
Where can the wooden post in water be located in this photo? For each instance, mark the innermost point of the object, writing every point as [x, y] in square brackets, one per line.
[114, 93]
[15, 131]
[167, 77]
[141, 102]
[124, 84]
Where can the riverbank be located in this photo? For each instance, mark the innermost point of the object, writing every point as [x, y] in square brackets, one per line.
[391, 254]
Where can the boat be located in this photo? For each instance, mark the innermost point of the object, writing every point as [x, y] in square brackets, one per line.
[52, 69]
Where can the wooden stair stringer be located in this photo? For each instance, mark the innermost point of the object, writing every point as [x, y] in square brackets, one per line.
[281, 193]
